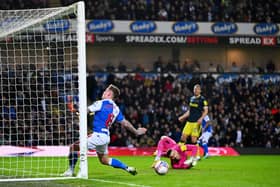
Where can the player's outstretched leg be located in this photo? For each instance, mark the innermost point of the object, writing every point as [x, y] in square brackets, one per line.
[118, 164]
[205, 148]
[104, 159]
[131, 170]
[73, 158]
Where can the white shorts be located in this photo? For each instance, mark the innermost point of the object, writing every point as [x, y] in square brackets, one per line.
[205, 137]
[99, 142]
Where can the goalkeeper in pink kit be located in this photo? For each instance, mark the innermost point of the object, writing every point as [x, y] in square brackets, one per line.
[177, 153]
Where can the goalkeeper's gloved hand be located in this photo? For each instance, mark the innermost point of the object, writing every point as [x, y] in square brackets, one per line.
[183, 147]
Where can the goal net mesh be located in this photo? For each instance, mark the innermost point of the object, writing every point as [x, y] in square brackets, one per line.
[39, 91]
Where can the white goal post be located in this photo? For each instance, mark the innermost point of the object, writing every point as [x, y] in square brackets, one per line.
[42, 92]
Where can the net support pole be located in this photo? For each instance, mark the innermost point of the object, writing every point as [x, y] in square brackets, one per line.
[82, 89]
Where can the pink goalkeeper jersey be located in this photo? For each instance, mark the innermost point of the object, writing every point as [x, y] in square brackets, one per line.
[167, 143]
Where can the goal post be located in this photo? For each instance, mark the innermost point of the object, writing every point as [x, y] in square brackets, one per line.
[82, 90]
[42, 89]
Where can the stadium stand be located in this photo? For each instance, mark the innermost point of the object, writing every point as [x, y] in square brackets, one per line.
[167, 10]
[192, 10]
[21, 4]
[243, 104]
[239, 105]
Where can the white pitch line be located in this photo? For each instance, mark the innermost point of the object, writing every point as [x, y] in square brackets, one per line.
[114, 182]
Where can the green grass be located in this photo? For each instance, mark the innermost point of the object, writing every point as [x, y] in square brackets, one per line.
[243, 171]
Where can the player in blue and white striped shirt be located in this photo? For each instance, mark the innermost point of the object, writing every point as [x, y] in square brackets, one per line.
[106, 112]
[206, 134]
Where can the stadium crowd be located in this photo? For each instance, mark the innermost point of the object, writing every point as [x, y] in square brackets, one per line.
[242, 107]
[160, 65]
[245, 108]
[37, 107]
[167, 10]
[245, 111]
[192, 10]
[21, 4]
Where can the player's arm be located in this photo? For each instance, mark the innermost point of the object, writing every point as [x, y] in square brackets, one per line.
[206, 125]
[207, 122]
[184, 116]
[96, 106]
[125, 123]
[205, 111]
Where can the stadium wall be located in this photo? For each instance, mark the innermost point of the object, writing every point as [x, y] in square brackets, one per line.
[39, 151]
[129, 55]
[258, 151]
[7, 151]
[146, 55]
[141, 42]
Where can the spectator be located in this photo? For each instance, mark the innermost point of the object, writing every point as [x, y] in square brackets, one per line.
[253, 68]
[270, 67]
[186, 66]
[162, 15]
[139, 68]
[219, 68]
[170, 67]
[206, 11]
[158, 65]
[121, 67]
[195, 66]
[110, 67]
[239, 137]
[234, 67]
[211, 67]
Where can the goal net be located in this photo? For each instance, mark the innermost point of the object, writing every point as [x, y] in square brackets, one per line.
[42, 89]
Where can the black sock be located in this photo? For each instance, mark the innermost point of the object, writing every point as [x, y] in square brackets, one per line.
[73, 158]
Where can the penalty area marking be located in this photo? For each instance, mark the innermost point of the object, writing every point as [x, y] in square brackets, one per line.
[114, 182]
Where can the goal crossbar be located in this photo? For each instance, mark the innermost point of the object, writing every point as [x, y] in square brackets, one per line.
[58, 11]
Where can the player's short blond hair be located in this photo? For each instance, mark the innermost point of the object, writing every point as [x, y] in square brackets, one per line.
[116, 91]
[197, 85]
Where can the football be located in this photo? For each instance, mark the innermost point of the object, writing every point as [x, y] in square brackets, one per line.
[161, 167]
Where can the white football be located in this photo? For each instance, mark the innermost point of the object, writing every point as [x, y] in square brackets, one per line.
[161, 167]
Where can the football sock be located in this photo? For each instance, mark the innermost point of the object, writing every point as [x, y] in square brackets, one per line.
[117, 164]
[198, 150]
[157, 158]
[73, 158]
[205, 148]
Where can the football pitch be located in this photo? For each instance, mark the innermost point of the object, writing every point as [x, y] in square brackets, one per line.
[239, 171]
